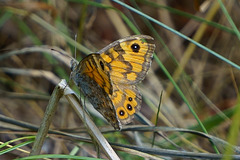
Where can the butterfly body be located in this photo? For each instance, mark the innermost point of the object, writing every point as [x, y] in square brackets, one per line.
[108, 78]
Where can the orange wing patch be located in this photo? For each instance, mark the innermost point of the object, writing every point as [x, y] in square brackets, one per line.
[90, 67]
[131, 76]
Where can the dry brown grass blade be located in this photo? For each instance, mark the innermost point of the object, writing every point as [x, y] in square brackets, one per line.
[47, 119]
[33, 73]
[58, 53]
[60, 90]
[91, 127]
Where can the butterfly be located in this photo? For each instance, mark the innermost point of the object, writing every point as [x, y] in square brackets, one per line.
[108, 77]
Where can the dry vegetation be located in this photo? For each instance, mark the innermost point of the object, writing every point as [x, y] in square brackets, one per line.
[209, 85]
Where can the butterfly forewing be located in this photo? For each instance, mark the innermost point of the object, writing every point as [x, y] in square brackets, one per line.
[93, 81]
[129, 60]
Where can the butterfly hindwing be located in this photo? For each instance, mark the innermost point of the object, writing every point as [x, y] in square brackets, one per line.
[127, 101]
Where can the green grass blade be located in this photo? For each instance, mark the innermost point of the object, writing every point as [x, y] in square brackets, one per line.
[16, 146]
[6, 16]
[234, 131]
[236, 31]
[60, 156]
[15, 140]
[179, 34]
[187, 15]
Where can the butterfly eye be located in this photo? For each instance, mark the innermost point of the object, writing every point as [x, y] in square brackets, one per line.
[135, 47]
[71, 68]
[102, 65]
[73, 64]
[129, 107]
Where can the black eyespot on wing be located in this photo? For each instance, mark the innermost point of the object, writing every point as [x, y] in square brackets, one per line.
[102, 65]
[121, 113]
[135, 47]
[130, 99]
[129, 107]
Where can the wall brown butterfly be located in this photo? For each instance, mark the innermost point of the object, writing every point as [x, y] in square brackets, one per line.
[108, 78]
